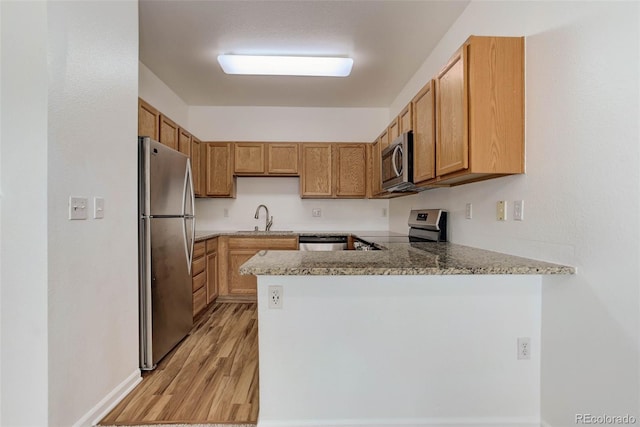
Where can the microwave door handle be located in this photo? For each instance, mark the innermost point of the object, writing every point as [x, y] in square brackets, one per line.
[393, 160]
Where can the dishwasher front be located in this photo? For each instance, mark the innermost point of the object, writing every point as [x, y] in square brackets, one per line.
[323, 243]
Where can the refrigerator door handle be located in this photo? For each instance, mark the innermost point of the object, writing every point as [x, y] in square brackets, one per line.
[188, 241]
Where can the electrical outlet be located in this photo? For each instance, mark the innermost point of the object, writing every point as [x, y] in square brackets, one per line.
[518, 210]
[501, 210]
[225, 213]
[524, 348]
[384, 212]
[316, 212]
[275, 296]
[468, 213]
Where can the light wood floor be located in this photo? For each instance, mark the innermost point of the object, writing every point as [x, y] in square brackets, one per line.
[211, 377]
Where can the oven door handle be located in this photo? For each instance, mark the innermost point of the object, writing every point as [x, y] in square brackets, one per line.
[393, 160]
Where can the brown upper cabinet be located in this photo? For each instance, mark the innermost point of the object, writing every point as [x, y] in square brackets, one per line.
[219, 180]
[384, 139]
[148, 120]
[168, 132]
[405, 119]
[184, 142]
[394, 131]
[351, 171]
[282, 159]
[196, 166]
[266, 158]
[249, 158]
[333, 170]
[316, 180]
[424, 134]
[480, 111]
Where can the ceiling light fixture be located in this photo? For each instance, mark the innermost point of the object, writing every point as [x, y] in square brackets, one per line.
[286, 65]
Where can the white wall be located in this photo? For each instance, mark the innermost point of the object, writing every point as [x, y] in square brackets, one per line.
[282, 195]
[23, 247]
[580, 190]
[93, 310]
[69, 98]
[399, 350]
[157, 93]
[289, 211]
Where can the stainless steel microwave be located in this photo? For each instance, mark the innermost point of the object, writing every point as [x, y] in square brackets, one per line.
[397, 164]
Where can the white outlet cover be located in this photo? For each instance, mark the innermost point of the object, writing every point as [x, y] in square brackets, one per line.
[468, 211]
[275, 296]
[518, 210]
[316, 212]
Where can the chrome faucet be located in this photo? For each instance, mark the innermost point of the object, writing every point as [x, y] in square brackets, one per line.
[268, 222]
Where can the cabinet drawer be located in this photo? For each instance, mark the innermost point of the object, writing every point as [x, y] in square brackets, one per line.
[282, 243]
[199, 301]
[198, 266]
[199, 249]
[199, 281]
[212, 245]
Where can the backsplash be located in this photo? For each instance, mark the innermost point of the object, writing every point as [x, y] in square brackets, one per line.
[289, 211]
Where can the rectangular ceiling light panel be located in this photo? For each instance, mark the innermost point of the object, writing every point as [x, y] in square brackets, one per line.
[286, 65]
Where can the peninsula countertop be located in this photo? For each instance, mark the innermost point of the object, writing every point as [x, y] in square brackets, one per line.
[415, 258]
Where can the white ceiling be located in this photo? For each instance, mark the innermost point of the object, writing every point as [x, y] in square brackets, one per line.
[388, 40]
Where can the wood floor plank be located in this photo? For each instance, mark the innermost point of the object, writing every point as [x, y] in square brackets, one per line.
[211, 377]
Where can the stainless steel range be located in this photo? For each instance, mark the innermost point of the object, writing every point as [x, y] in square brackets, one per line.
[428, 225]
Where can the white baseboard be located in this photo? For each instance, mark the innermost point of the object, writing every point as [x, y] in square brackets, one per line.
[422, 422]
[114, 397]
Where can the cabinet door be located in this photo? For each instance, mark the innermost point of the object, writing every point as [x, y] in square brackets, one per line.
[212, 277]
[351, 172]
[394, 130]
[219, 170]
[196, 167]
[405, 119]
[316, 180]
[282, 159]
[452, 144]
[148, 120]
[184, 142]
[249, 158]
[424, 134]
[168, 132]
[212, 270]
[241, 284]
[384, 139]
[376, 169]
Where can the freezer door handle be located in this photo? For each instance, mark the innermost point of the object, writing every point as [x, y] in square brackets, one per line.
[188, 238]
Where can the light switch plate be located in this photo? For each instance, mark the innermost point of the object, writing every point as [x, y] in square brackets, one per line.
[98, 207]
[78, 207]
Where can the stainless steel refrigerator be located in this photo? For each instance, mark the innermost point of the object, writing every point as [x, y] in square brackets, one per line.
[166, 233]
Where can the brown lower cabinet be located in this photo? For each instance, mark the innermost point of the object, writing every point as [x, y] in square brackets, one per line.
[199, 277]
[235, 251]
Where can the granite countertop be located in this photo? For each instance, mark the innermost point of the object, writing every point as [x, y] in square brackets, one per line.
[423, 258]
[204, 235]
[416, 258]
